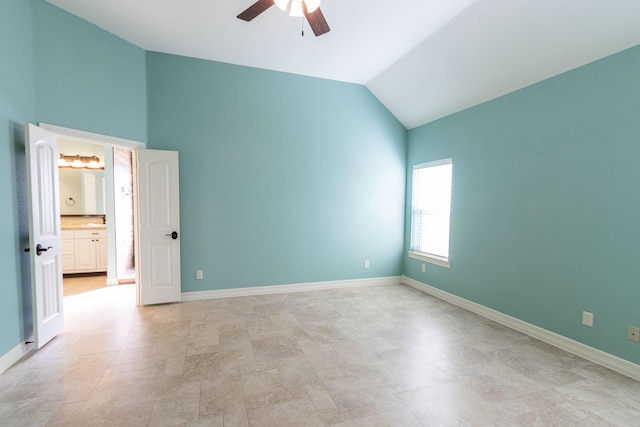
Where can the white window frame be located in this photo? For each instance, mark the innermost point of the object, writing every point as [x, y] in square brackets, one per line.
[417, 254]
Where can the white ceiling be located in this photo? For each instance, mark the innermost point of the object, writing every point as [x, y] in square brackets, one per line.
[423, 59]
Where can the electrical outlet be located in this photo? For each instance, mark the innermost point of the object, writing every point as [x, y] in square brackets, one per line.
[199, 275]
[366, 263]
[587, 319]
[633, 334]
[424, 268]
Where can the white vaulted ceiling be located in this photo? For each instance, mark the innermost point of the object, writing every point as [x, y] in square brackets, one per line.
[423, 59]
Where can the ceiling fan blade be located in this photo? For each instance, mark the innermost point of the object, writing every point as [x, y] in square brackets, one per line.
[255, 9]
[316, 21]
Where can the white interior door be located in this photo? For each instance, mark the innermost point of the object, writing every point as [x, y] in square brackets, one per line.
[158, 228]
[44, 235]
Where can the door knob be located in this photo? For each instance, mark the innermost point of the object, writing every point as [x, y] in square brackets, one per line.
[173, 235]
[40, 249]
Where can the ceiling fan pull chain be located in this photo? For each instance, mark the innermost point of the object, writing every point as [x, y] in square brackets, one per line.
[302, 31]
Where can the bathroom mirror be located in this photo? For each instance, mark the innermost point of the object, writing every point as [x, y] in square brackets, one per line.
[82, 191]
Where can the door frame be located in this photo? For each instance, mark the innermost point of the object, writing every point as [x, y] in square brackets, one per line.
[104, 140]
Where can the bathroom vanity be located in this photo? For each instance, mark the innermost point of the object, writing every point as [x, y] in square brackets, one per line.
[84, 247]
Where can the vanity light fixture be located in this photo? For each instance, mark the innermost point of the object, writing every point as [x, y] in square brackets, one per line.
[79, 162]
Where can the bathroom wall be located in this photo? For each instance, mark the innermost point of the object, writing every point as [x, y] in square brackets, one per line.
[82, 191]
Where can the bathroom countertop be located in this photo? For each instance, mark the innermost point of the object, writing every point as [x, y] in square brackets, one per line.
[84, 227]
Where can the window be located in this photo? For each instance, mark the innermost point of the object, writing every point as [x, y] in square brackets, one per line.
[430, 212]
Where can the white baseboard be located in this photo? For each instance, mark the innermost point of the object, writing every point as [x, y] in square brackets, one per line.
[600, 357]
[12, 356]
[281, 289]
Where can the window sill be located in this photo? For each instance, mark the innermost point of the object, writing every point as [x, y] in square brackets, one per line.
[432, 259]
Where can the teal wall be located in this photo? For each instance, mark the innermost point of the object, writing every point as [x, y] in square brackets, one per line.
[87, 78]
[58, 69]
[17, 106]
[284, 179]
[545, 218]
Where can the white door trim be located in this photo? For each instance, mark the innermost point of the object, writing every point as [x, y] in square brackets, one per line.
[92, 138]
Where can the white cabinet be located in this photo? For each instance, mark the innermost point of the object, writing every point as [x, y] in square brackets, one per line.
[101, 254]
[85, 252]
[68, 251]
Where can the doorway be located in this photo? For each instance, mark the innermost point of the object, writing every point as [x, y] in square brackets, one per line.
[157, 243]
[97, 216]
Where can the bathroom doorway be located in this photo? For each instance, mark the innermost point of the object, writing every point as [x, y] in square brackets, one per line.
[97, 216]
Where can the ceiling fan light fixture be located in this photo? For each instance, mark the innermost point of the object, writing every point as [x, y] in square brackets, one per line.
[296, 8]
[312, 5]
[282, 4]
[308, 9]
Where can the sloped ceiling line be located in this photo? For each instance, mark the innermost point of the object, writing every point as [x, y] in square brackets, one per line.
[423, 59]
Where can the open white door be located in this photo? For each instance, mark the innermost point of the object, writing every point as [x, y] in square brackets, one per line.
[44, 235]
[158, 212]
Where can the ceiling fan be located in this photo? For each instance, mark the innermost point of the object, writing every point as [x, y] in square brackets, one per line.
[308, 8]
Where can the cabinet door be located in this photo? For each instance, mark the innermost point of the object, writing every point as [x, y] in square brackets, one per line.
[68, 254]
[101, 254]
[68, 263]
[85, 254]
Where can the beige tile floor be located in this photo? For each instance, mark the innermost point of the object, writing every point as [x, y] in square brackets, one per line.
[79, 283]
[374, 356]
